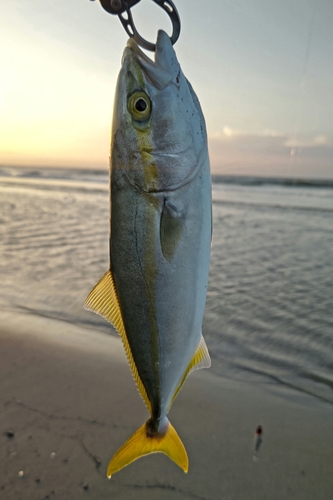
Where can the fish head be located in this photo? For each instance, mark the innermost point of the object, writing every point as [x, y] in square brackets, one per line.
[158, 133]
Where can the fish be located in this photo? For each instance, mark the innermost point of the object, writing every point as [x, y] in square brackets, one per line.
[154, 292]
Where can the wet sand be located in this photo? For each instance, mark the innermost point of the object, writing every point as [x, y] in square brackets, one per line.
[68, 401]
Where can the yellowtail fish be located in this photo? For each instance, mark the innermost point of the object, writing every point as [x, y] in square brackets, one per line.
[155, 290]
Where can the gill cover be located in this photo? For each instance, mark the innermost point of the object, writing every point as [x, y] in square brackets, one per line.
[158, 143]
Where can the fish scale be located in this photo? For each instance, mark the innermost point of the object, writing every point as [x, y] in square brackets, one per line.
[160, 235]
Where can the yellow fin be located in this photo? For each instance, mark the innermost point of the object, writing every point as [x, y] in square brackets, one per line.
[142, 442]
[201, 359]
[103, 300]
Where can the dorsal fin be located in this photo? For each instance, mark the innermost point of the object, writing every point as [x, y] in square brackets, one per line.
[103, 300]
[201, 359]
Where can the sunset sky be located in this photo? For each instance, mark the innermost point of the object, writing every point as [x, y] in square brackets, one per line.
[262, 69]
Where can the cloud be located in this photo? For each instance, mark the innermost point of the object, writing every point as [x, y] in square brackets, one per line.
[270, 152]
[309, 142]
[288, 141]
[231, 133]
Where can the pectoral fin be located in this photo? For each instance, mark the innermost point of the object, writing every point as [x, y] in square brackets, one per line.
[171, 228]
[103, 300]
[201, 359]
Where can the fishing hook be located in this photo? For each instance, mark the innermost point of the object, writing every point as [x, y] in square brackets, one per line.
[120, 7]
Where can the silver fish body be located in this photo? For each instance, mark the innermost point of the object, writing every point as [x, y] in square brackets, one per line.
[160, 233]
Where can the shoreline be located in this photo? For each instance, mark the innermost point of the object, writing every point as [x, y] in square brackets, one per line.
[68, 396]
[243, 178]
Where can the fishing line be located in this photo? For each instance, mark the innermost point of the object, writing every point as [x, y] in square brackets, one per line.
[293, 157]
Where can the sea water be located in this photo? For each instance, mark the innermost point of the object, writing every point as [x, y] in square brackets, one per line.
[269, 311]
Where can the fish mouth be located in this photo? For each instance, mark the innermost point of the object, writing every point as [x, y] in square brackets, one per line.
[168, 153]
[164, 69]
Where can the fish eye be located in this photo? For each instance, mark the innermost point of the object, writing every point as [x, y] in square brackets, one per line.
[139, 106]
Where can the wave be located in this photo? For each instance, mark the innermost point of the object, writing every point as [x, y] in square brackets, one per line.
[53, 173]
[295, 384]
[91, 185]
[63, 179]
[265, 206]
[275, 181]
[101, 175]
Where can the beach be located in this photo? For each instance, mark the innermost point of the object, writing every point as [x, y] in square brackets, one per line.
[269, 303]
[68, 401]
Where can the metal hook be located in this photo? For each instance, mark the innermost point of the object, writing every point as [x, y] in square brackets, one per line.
[119, 7]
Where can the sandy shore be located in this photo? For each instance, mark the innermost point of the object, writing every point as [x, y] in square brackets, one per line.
[68, 402]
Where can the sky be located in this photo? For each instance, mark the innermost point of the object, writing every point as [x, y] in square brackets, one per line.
[262, 69]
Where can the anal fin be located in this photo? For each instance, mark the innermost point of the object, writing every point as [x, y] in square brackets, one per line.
[201, 359]
[103, 300]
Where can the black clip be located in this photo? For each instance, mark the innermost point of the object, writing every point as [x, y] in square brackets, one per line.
[120, 6]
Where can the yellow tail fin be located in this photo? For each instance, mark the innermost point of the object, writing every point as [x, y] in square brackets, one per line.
[142, 442]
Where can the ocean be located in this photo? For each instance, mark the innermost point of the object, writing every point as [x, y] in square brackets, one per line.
[269, 311]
